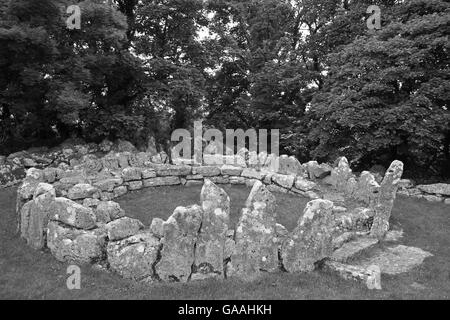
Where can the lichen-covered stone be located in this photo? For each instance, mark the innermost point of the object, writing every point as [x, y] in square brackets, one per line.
[123, 228]
[206, 171]
[157, 227]
[180, 236]
[311, 241]
[367, 188]
[131, 174]
[210, 246]
[171, 170]
[34, 216]
[341, 174]
[134, 257]
[304, 185]
[316, 170]
[438, 188]
[256, 239]
[107, 211]
[82, 191]
[231, 170]
[385, 202]
[285, 181]
[290, 166]
[73, 245]
[162, 181]
[72, 214]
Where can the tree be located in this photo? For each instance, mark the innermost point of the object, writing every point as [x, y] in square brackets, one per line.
[386, 95]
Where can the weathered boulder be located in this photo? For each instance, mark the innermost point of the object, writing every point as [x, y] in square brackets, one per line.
[108, 184]
[210, 246]
[123, 228]
[285, 181]
[180, 236]
[72, 214]
[82, 191]
[311, 241]
[106, 145]
[290, 166]
[206, 171]
[134, 257]
[341, 174]
[256, 238]
[107, 211]
[131, 174]
[73, 245]
[157, 228]
[385, 202]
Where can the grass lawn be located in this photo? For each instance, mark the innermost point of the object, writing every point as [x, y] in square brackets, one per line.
[29, 274]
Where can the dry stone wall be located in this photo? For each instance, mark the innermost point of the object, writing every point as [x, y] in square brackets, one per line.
[69, 209]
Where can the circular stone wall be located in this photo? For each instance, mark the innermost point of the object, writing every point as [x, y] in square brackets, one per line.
[70, 211]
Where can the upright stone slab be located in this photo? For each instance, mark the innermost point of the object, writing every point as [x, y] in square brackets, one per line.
[209, 252]
[385, 203]
[256, 237]
[367, 188]
[180, 236]
[311, 241]
[34, 216]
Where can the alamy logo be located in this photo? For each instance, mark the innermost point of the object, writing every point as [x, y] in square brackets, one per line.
[224, 149]
[374, 21]
[74, 21]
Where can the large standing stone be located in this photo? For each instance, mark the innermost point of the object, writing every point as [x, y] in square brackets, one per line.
[367, 188]
[75, 245]
[388, 191]
[72, 214]
[34, 216]
[311, 241]
[180, 236]
[82, 191]
[256, 238]
[134, 257]
[209, 252]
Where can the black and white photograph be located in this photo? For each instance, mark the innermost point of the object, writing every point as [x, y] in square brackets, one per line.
[224, 157]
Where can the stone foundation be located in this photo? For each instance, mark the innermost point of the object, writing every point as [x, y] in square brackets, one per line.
[69, 210]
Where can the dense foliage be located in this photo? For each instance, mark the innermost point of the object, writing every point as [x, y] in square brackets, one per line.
[311, 68]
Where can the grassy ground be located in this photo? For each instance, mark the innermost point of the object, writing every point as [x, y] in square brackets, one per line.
[28, 274]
